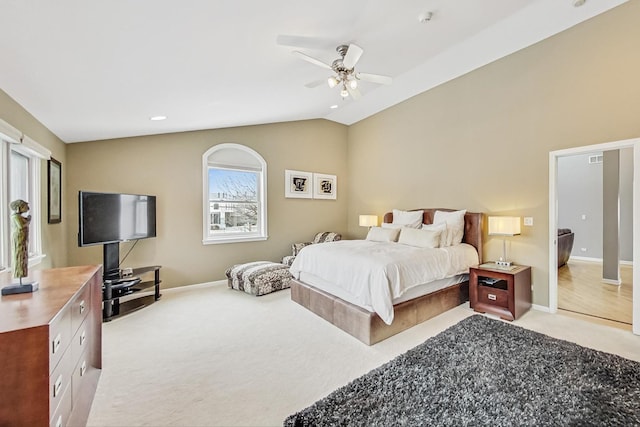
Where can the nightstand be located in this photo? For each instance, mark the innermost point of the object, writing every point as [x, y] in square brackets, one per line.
[505, 293]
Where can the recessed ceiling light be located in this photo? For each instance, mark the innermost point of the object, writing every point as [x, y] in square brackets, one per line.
[334, 106]
[157, 118]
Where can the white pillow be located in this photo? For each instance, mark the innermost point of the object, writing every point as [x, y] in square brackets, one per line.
[420, 238]
[391, 225]
[411, 219]
[441, 229]
[455, 225]
[379, 234]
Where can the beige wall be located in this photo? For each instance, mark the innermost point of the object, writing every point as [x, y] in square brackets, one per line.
[169, 166]
[53, 235]
[482, 141]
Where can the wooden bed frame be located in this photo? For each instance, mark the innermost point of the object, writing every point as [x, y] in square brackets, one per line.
[368, 327]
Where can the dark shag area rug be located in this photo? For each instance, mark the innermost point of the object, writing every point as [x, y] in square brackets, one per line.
[487, 372]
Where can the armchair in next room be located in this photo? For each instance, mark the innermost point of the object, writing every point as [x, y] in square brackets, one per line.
[565, 245]
[321, 237]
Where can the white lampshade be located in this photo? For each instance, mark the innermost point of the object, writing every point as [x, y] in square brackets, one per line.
[332, 81]
[368, 220]
[504, 225]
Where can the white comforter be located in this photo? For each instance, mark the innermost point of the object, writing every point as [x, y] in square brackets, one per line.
[377, 272]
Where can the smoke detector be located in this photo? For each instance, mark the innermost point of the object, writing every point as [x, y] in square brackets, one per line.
[578, 3]
[426, 17]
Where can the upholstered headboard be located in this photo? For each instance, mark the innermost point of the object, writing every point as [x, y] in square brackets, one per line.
[472, 225]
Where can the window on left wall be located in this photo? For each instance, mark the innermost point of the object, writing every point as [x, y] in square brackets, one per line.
[20, 178]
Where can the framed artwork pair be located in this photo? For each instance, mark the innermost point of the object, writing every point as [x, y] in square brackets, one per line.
[308, 185]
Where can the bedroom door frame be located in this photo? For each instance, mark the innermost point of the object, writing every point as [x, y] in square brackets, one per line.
[553, 219]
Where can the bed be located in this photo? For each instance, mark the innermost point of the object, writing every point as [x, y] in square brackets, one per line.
[367, 320]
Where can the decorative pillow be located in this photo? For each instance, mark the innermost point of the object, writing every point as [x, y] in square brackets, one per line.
[379, 234]
[420, 238]
[441, 229]
[411, 219]
[455, 225]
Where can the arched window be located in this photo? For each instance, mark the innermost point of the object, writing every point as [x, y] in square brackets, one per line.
[234, 194]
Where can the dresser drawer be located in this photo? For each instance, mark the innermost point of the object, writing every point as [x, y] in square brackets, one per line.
[81, 340]
[80, 307]
[80, 374]
[493, 296]
[59, 381]
[60, 417]
[59, 337]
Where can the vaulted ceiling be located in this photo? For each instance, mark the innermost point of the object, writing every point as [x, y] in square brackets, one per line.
[92, 70]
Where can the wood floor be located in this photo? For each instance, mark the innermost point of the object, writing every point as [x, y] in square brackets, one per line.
[580, 290]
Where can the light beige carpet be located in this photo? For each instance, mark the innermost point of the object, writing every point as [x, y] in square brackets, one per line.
[209, 356]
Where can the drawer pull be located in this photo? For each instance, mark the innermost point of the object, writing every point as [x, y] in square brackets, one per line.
[83, 337]
[492, 297]
[82, 307]
[57, 386]
[59, 421]
[83, 367]
[56, 344]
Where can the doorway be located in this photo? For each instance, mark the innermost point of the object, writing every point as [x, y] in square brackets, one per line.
[553, 220]
[594, 243]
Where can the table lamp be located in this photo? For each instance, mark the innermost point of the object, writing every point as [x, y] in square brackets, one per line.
[504, 226]
[368, 221]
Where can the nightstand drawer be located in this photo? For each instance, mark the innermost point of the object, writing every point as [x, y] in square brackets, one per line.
[493, 296]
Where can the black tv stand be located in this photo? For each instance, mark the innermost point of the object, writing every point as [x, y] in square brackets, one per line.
[114, 288]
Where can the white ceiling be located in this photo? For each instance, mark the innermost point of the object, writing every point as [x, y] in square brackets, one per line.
[90, 69]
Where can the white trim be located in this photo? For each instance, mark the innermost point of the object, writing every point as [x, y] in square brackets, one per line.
[612, 282]
[9, 133]
[195, 286]
[220, 240]
[262, 197]
[585, 259]
[588, 259]
[540, 308]
[35, 148]
[553, 219]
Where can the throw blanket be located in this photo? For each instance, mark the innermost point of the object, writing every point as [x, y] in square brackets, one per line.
[377, 272]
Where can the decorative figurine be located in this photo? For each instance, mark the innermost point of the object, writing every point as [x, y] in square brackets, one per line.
[20, 236]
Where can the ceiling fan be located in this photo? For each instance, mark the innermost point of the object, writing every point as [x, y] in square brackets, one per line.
[345, 75]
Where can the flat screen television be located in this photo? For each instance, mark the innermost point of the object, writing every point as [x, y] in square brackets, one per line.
[110, 218]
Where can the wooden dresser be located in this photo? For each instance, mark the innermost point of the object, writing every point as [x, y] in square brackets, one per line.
[51, 348]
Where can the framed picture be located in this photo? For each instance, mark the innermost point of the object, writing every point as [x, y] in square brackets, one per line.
[54, 195]
[298, 184]
[325, 186]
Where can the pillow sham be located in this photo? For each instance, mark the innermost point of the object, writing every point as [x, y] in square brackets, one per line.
[411, 219]
[455, 225]
[420, 238]
[379, 234]
[440, 229]
[391, 225]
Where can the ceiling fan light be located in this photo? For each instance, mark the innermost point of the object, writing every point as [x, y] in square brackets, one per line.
[353, 84]
[344, 93]
[332, 81]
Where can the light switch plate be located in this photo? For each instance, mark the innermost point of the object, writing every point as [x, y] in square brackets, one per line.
[528, 220]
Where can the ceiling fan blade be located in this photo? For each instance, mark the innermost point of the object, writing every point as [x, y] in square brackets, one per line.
[355, 93]
[305, 42]
[316, 83]
[352, 56]
[374, 78]
[312, 60]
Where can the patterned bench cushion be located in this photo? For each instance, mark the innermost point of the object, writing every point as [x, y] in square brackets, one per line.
[258, 277]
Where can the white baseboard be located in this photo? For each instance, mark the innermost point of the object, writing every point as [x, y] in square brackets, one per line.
[196, 286]
[541, 308]
[612, 282]
[587, 259]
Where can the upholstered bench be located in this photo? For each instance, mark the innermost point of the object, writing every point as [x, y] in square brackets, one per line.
[258, 277]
